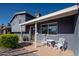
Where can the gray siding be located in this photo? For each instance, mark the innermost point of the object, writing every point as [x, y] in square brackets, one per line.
[15, 27]
[42, 37]
[69, 38]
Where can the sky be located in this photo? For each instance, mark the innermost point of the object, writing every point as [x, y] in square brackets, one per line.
[8, 9]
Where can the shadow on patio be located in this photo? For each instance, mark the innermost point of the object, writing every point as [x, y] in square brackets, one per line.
[23, 44]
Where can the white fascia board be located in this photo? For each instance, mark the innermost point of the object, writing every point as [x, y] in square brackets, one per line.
[54, 14]
[20, 12]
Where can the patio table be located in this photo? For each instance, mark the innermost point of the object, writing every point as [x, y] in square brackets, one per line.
[50, 42]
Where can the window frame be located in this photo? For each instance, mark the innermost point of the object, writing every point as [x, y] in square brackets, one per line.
[48, 26]
[42, 27]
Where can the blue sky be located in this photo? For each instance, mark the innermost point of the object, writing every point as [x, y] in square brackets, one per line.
[8, 9]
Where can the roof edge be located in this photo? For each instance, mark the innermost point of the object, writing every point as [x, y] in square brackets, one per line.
[19, 13]
[65, 10]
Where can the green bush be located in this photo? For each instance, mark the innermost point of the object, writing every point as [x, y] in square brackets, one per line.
[8, 40]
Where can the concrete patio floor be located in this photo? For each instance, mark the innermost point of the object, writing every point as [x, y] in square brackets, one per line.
[42, 50]
[28, 49]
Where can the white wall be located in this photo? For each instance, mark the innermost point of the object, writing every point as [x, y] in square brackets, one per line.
[77, 37]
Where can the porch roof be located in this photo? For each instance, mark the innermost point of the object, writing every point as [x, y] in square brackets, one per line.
[58, 14]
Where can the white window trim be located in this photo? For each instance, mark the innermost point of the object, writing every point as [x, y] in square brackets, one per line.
[48, 26]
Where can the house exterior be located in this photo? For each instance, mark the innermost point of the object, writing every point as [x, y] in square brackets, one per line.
[60, 24]
[4, 29]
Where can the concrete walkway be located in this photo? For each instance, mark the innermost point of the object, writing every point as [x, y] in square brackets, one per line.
[19, 51]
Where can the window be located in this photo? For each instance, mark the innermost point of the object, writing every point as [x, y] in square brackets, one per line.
[49, 28]
[52, 29]
[44, 29]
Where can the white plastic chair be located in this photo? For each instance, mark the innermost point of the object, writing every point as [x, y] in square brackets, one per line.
[60, 43]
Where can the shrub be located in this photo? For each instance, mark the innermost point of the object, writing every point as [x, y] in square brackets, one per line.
[8, 40]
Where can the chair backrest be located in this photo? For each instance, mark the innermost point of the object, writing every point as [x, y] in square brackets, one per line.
[61, 40]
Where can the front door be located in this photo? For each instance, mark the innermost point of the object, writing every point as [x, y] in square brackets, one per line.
[32, 33]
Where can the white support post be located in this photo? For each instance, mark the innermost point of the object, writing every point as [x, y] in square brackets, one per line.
[35, 34]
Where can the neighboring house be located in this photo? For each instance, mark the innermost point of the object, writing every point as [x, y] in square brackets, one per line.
[61, 24]
[5, 29]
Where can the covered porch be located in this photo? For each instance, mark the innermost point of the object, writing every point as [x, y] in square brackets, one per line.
[51, 18]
